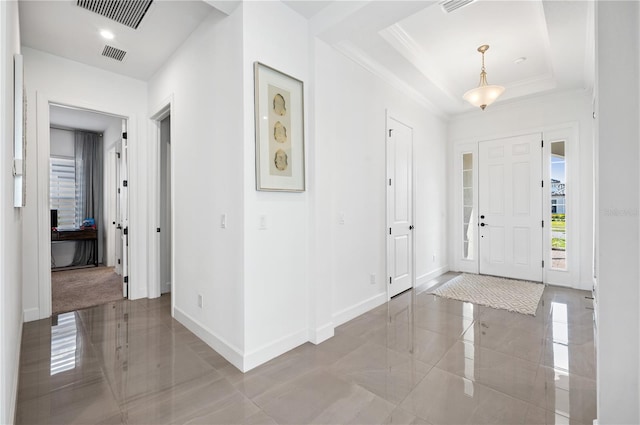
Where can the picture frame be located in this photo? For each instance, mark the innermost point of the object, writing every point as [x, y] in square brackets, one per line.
[19, 133]
[279, 122]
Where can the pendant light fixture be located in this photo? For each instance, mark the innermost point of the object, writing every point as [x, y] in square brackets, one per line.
[483, 95]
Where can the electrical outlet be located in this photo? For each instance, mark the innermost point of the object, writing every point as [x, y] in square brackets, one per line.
[200, 301]
[372, 278]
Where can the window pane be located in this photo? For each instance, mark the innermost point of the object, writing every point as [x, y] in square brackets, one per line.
[558, 206]
[467, 214]
[467, 178]
[62, 190]
[468, 197]
[467, 206]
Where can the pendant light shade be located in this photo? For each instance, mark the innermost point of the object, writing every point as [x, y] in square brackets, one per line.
[485, 94]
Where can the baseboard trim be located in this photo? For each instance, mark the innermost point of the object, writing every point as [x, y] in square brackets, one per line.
[30, 314]
[321, 334]
[343, 316]
[273, 349]
[222, 347]
[424, 282]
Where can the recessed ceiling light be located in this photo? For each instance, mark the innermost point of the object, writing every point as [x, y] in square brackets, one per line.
[519, 60]
[107, 34]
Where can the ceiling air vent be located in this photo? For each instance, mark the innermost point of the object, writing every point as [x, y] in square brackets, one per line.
[113, 53]
[126, 12]
[451, 5]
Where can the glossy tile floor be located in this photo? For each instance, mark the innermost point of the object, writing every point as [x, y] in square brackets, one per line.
[418, 359]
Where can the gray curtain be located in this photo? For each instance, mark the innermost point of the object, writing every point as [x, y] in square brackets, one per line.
[88, 154]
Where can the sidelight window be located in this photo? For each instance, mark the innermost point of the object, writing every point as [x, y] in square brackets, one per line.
[558, 204]
[468, 220]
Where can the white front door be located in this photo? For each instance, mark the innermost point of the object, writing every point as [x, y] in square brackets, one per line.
[399, 206]
[510, 207]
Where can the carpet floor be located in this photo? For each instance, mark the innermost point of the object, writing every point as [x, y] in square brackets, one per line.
[518, 296]
[77, 289]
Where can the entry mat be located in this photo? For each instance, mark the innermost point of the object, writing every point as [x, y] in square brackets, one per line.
[507, 294]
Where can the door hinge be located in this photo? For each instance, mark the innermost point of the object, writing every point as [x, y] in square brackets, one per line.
[126, 231]
[543, 264]
[542, 223]
[389, 182]
[124, 135]
[126, 279]
[390, 130]
[542, 182]
[125, 183]
[118, 153]
[158, 230]
[542, 143]
[118, 261]
[118, 190]
[389, 230]
[389, 280]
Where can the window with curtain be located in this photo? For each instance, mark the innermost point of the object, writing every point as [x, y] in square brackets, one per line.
[62, 191]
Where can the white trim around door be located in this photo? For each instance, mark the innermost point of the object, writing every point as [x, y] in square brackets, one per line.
[400, 207]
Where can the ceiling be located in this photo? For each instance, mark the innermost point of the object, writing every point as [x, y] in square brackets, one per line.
[426, 53]
[64, 29]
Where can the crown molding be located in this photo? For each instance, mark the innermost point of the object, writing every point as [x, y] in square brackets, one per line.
[380, 71]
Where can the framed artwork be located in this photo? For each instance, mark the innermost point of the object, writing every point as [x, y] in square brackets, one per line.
[279, 116]
[19, 133]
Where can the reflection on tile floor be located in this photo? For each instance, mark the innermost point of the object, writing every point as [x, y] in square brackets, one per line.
[419, 359]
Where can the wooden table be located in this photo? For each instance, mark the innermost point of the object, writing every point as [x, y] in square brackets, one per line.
[77, 235]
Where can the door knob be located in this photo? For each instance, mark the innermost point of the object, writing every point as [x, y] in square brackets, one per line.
[481, 216]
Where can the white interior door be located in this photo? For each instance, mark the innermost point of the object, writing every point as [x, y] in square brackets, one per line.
[111, 216]
[123, 195]
[399, 206]
[510, 207]
[118, 209]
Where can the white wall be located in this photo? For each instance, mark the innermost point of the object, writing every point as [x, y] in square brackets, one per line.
[536, 115]
[10, 222]
[350, 130]
[617, 226]
[276, 259]
[205, 79]
[54, 79]
[267, 291]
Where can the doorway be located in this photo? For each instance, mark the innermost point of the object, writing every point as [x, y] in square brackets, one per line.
[165, 205]
[81, 198]
[400, 252]
[161, 195]
[510, 207]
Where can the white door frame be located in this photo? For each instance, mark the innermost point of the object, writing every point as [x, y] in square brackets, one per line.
[124, 211]
[43, 145]
[567, 131]
[389, 115]
[161, 111]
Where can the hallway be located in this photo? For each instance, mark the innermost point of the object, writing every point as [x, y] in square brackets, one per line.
[417, 359]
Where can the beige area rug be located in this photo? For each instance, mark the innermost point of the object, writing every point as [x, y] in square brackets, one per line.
[76, 289]
[507, 294]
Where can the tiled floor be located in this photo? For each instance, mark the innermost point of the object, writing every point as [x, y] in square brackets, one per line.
[419, 359]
